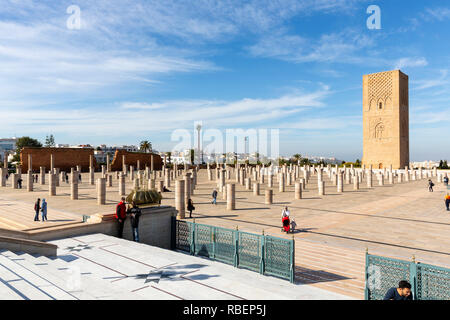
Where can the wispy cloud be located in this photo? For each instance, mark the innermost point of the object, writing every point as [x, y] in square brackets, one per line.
[342, 47]
[410, 62]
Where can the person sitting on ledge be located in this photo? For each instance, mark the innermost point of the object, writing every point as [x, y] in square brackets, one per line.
[165, 189]
[403, 292]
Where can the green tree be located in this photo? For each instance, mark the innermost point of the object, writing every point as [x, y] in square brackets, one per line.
[25, 142]
[49, 141]
[145, 146]
[297, 157]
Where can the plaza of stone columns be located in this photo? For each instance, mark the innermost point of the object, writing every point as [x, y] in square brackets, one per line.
[340, 211]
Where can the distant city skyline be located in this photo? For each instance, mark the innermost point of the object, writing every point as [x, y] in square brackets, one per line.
[128, 75]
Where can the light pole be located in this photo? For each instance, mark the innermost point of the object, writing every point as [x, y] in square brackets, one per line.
[199, 128]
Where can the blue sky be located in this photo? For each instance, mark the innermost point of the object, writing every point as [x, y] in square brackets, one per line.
[140, 69]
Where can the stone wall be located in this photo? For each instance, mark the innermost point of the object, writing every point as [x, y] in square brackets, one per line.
[131, 159]
[65, 158]
[154, 228]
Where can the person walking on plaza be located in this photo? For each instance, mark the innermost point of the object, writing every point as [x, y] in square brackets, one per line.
[44, 210]
[403, 292]
[121, 215]
[447, 201]
[285, 220]
[430, 185]
[135, 213]
[19, 183]
[37, 207]
[79, 177]
[214, 196]
[190, 207]
[446, 181]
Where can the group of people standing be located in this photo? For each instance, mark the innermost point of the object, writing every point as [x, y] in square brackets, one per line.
[122, 211]
[42, 207]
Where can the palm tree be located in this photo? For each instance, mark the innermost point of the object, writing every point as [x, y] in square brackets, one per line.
[145, 146]
[297, 157]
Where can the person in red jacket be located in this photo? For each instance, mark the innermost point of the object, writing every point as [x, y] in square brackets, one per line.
[121, 215]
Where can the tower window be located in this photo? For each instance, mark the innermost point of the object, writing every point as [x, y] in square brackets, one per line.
[380, 106]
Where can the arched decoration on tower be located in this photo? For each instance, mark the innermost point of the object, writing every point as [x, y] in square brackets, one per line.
[379, 131]
[388, 103]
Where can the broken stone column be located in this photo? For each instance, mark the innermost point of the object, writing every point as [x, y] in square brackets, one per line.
[131, 173]
[110, 179]
[356, 183]
[73, 185]
[369, 179]
[14, 180]
[256, 188]
[321, 187]
[42, 175]
[151, 163]
[167, 178]
[124, 165]
[298, 190]
[5, 160]
[122, 184]
[209, 175]
[221, 180]
[400, 177]
[231, 197]
[281, 183]
[406, 174]
[91, 176]
[268, 199]
[52, 184]
[4, 171]
[151, 184]
[248, 182]
[270, 180]
[101, 191]
[30, 181]
[381, 180]
[340, 184]
[52, 163]
[179, 199]
[103, 171]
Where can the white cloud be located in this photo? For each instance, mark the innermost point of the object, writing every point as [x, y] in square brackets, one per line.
[408, 62]
[343, 47]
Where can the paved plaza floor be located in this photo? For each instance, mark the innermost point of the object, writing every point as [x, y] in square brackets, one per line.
[399, 220]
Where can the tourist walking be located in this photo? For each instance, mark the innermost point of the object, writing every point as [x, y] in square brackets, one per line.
[214, 196]
[446, 181]
[66, 176]
[135, 213]
[79, 177]
[19, 183]
[121, 215]
[44, 210]
[430, 185]
[403, 292]
[37, 207]
[447, 201]
[190, 207]
[285, 220]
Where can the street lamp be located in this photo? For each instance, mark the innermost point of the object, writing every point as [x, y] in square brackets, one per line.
[199, 127]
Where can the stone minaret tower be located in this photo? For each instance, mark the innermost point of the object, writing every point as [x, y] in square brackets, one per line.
[386, 120]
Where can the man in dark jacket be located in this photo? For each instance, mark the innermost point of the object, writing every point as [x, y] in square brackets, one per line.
[214, 196]
[37, 207]
[121, 215]
[135, 213]
[403, 292]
